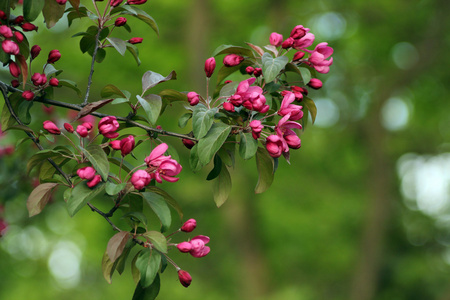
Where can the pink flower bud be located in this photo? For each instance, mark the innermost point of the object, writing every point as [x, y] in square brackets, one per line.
[28, 95]
[274, 145]
[115, 3]
[115, 144]
[232, 60]
[14, 69]
[188, 143]
[257, 72]
[18, 20]
[38, 79]
[136, 2]
[15, 83]
[185, 278]
[68, 127]
[86, 173]
[250, 70]
[35, 51]
[53, 56]
[256, 127]
[298, 32]
[54, 82]
[293, 141]
[10, 47]
[189, 225]
[94, 181]
[198, 246]
[287, 43]
[6, 31]
[19, 37]
[184, 247]
[135, 40]
[193, 98]
[276, 39]
[228, 106]
[61, 2]
[120, 21]
[298, 55]
[140, 179]
[2, 15]
[210, 65]
[127, 145]
[29, 27]
[51, 127]
[88, 125]
[82, 131]
[315, 83]
[107, 127]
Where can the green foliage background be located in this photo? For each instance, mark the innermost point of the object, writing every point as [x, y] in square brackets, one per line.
[334, 225]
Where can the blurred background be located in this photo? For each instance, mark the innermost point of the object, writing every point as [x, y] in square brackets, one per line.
[361, 213]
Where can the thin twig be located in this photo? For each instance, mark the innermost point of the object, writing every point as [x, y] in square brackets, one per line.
[93, 208]
[92, 66]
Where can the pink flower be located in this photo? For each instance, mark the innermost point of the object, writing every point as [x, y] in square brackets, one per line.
[251, 97]
[14, 69]
[315, 83]
[288, 137]
[127, 145]
[136, 2]
[304, 42]
[39, 79]
[249, 70]
[6, 31]
[156, 157]
[185, 278]
[256, 127]
[28, 95]
[184, 247]
[287, 43]
[51, 127]
[54, 82]
[82, 131]
[228, 106]
[318, 58]
[257, 72]
[19, 37]
[140, 179]
[293, 141]
[86, 173]
[53, 56]
[115, 144]
[298, 32]
[275, 145]
[68, 127]
[35, 50]
[28, 27]
[188, 143]
[135, 40]
[298, 55]
[232, 60]
[198, 246]
[189, 225]
[167, 170]
[10, 47]
[276, 39]
[210, 65]
[295, 111]
[193, 98]
[107, 127]
[115, 3]
[61, 2]
[94, 181]
[120, 21]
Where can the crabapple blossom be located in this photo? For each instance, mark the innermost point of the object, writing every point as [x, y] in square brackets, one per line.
[156, 157]
[295, 111]
[120, 21]
[188, 143]
[39, 79]
[86, 173]
[140, 179]
[51, 127]
[228, 106]
[54, 82]
[115, 144]
[15, 83]
[318, 58]
[249, 70]
[193, 98]
[29, 27]
[107, 127]
[35, 50]
[210, 65]
[94, 181]
[6, 31]
[232, 60]
[304, 42]
[185, 278]
[135, 40]
[126, 145]
[115, 3]
[189, 225]
[167, 170]
[14, 69]
[275, 145]
[28, 95]
[82, 131]
[298, 55]
[298, 32]
[198, 246]
[256, 127]
[19, 37]
[315, 83]
[276, 39]
[68, 127]
[53, 56]
[10, 47]
[184, 247]
[287, 43]
[257, 72]
[136, 2]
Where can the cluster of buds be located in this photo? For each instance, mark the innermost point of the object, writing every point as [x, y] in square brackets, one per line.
[90, 175]
[159, 167]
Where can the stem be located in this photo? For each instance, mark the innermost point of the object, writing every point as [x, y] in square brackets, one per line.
[93, 62]
[207, 91]
[93, 208]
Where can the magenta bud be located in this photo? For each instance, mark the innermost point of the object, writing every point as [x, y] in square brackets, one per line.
[287, 43]
[94, 181]
[257, 72]
[29, 27]
[6, 31]
[232, 60]
[115, 144]
[188, 143]
[315, 83]
[228, 106]
[19, 37]
[136, 2]
[54, 82]
[86, 173]
[184, 247]
[210, 65]
[140, 179]
[38, 79]
[276, 39]
[14, 69]
[193, 98]
[107, 127]
[120, 21]
[298, 55]
[82, 131]
[185, 278]
[68, 127]
[28, 95]
[61, 2]
[2, 15]
[15, 83]
[135, 40]
[18, 20]
[53, 56]
[10, 47]
[51, 127]
[250, 70]
[298, 32]
[189, 225]
[115, 3]
[35, 50]
[127, 145]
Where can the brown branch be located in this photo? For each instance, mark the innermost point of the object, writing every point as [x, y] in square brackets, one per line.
[94, 55]
[95, 209]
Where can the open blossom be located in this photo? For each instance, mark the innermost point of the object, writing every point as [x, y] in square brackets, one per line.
[51, 127]
[189, 225]
[156, 157]
[295, 111]
[86, 173]
[304, 42]
[276, 39]
[185, 278]
[250, 97]
[318, 58]
[196, 246]
[232, 60]
[107, 127]
[287, 135]
[167, 170]
[275, 145]
[140, 179]
[256, 127]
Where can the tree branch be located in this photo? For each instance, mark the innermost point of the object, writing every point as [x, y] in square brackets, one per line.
[94, 55]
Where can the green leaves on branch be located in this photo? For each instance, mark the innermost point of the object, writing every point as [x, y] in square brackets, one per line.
[266, 166]
[81, 194]
[148, 262]
[160, 208]
[98, 159]
[202, 120]
[222, 186]
[211, 143]
[247, 146]
[271, 67]
[152, 106]
[32, 9]
[151, 79]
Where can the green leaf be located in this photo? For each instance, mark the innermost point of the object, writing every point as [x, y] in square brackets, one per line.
[24, 111]
[39, 157]
[157, 239]
[120, 100]
[182, 121]
[309, 103]
[82, 194]
[227, 49]
[211, 143]
[159, 206]
[98, 159]
[149, 293]
[148, 263]
[32, 9]
[172, 95]
[50, 70]
[265, 166]
[202, 120]
[20, 127]
[136, 217]
[52, 12]
[113, 189]
[306, 75]
[117, 244]
[217, 168]
[70, 84]
[171, 201]
[151, 79]
[87, 43]
[222, 186]
[247, 146]
[194, 160]
[119, 44]
[39, 197]
[101, 54]
[125, 165]
[143, 16]
[135, 52]
[108, 267]
[152, 106]
[271, 67]
[111, 90]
